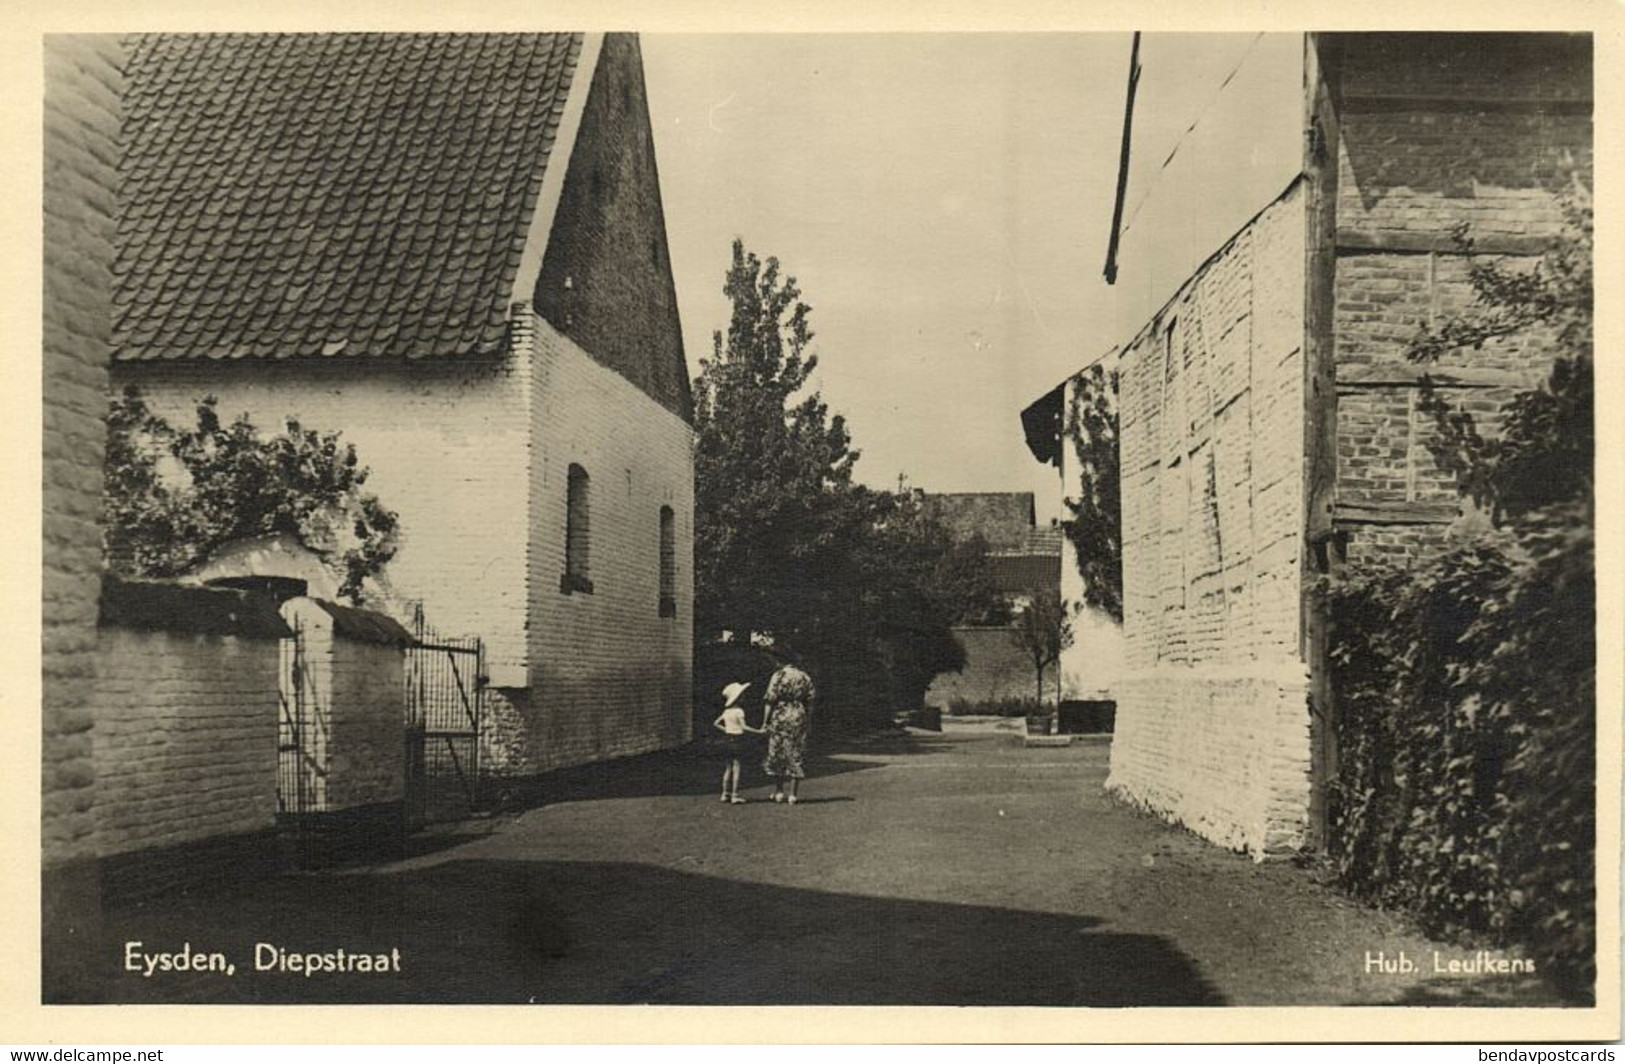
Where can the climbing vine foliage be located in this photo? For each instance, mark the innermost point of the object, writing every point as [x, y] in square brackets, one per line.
[174, 495]
[1095, 516]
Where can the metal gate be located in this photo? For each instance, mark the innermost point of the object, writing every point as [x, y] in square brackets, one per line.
[298, 781]
[445, 704]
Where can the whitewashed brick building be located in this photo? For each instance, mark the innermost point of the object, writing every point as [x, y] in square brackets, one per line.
[1269, 424]
[451, 248]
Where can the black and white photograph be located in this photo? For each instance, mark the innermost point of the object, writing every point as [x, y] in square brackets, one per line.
[1085, 520]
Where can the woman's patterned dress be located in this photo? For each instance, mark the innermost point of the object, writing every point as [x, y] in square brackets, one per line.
[789, 701]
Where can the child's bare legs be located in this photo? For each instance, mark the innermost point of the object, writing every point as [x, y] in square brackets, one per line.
[730, 779]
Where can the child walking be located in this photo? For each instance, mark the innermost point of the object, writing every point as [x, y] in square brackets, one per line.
[736, 735]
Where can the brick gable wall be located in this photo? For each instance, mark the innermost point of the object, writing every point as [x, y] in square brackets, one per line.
[606, 278]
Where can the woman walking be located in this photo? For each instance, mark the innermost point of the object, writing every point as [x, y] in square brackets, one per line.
[789, 701]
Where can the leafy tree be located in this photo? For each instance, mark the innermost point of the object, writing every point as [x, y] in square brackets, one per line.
[1095, 524]
[857, 581]
[1042, 630]
[224, 482]
[768, 456]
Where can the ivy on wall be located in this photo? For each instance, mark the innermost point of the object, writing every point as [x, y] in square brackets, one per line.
[1094, 524]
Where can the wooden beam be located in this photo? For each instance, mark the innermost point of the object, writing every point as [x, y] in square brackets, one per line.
[1397, 513]
[1365, 103]
[1322, 142]
[1397, 375]
[1423, 242]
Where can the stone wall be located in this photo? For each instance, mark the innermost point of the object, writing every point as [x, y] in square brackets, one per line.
[995, 670]
[1212, 726]
[1484, 131]
[609, 673]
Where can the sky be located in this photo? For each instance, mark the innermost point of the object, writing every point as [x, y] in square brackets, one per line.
[944, 201]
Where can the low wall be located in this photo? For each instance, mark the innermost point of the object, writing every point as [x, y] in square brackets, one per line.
[995, 670]
[186, 709]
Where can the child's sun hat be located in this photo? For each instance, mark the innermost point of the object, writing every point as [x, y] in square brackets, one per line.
[732, 692]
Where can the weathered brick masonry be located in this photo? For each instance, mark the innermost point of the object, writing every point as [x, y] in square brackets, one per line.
[186, 712]
[352, 663]
[82, 109]
[452, 447]
[606, 280]
[1211, 728]
[1484, 131]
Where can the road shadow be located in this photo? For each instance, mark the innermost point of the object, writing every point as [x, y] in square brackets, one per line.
[482, 931]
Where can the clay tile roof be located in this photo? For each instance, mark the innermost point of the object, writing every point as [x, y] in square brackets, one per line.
[1043, 541]
[290, 195]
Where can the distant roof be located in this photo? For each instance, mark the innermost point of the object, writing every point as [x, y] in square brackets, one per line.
[1043, 541]
[343, 194]
[1003, 519]
[1018, 573]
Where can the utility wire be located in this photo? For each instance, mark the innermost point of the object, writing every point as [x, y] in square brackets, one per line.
[1228, 78]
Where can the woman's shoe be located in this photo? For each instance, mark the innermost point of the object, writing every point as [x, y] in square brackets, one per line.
[791, 799]
[777, 797]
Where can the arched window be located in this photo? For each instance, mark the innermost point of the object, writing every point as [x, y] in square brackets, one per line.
[576, 534]
[668, 562]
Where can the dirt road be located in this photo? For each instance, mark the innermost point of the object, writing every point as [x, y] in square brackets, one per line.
[954, 869]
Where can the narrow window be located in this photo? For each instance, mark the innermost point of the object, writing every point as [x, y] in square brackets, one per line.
[668, 562]
[576, 534]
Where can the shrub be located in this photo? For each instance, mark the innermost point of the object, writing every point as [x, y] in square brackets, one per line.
[996, 707]
[1466, 687]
